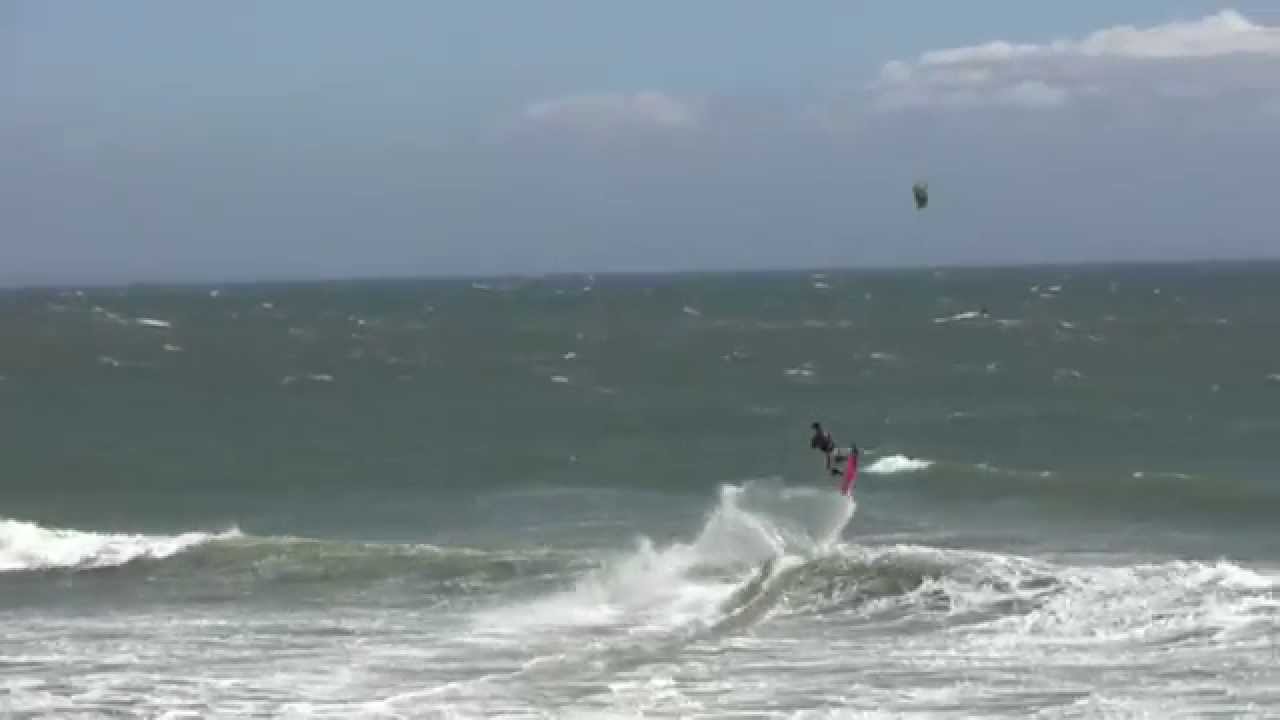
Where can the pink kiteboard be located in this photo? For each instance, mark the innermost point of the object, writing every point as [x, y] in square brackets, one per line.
[850, 474]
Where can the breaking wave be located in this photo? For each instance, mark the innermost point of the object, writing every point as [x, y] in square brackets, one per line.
[234, 564]
[28, 546]
[683, 583]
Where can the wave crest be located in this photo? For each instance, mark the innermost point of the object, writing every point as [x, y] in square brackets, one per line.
[26, 546]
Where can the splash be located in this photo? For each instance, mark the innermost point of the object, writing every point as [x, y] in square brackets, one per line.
[655, 589]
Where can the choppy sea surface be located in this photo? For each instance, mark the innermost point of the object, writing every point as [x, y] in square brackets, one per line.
[593, 496]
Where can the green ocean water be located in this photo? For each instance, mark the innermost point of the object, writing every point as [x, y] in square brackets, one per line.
[1054, 457]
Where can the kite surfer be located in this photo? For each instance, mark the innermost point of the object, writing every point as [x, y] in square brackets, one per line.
[824, 443]
[835, 457]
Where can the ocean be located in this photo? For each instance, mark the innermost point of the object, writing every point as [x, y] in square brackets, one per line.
[593, 496]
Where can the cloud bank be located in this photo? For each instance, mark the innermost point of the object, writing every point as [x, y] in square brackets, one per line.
[613, 112]
[1221, 64]
[1220, 55]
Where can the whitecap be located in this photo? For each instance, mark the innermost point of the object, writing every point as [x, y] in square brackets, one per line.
[153, 323]
[560, 379]
[802, 370]
[689, 310]
[969, 315]
[894, 464]
[110, 316]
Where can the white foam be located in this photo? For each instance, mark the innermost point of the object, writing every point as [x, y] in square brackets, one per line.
[110, 316]
[969, 315]
[802, 370]
[153, 322]
[821, 286]
[27, 546]
[1062, 374]
[689, 310]
[1141, 474]
[894, 464]
[570, 355]
[172, 348]
[559, 379]
[1146, 602]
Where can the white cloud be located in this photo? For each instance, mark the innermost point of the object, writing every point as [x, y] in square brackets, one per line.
[610, 112]
[1217, 55]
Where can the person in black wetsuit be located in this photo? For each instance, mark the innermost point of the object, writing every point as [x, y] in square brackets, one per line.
[824, 443]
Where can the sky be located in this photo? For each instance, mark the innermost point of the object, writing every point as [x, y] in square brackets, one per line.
[154, 141]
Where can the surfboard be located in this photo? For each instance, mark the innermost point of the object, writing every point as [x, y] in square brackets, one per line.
[850, 473]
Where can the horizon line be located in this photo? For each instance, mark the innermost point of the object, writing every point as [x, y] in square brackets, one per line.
[6, 286]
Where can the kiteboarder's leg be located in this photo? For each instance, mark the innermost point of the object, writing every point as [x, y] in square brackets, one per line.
[834, 462]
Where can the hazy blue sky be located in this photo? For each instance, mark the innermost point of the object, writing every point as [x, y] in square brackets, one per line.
[153, 140]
